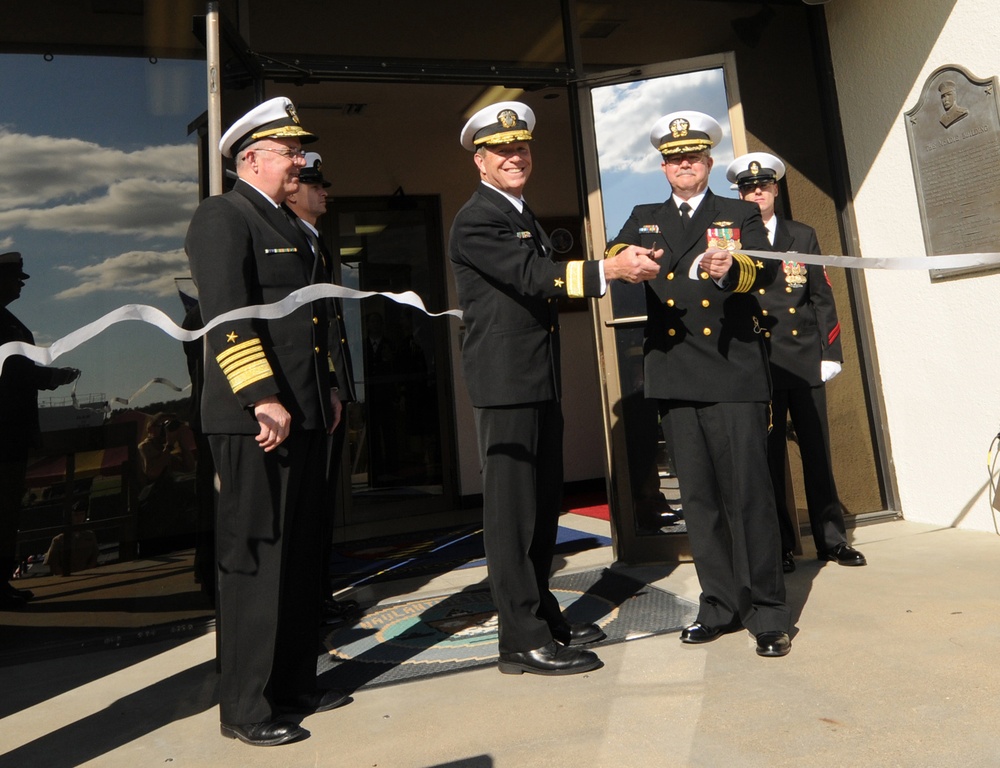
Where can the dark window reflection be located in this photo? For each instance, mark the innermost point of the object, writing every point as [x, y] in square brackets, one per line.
[98, 184]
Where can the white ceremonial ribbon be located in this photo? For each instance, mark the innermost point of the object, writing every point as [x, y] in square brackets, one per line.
[156, 317]
[949, 261]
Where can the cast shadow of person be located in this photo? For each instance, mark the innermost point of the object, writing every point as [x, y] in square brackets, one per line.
[126, 719]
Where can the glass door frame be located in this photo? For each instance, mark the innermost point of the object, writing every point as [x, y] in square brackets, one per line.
[629, 546]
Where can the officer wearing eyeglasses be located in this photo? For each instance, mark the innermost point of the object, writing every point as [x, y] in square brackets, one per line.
[802, 334]
[268, 406]
[706, 366]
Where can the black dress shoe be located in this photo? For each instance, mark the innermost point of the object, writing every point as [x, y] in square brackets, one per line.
[7, 588]
[844, 554]
[550, 659]
[773, 644]
[577, 634]
[788, 562]
[320, 701]
[10, 602]
[265, 734]
[702, 633]
[340, 612]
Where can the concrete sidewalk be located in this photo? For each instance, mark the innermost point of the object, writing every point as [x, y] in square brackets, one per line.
[891, 665]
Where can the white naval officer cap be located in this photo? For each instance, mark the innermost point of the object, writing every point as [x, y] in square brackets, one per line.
[754, 168]
[273, 119]
[312, 173]
[500, 123]
[685, 131]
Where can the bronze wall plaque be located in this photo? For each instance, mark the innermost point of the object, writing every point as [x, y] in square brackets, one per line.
[954, 136]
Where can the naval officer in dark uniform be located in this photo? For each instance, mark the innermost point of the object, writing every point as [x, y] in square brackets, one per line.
[705, 364]
[802, 335]
[308, 203]
[508, 288]
[267, 408]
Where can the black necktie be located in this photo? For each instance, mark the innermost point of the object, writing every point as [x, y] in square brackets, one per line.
[685, 209]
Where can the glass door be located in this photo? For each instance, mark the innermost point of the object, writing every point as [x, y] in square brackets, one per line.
[398, 457]
[623, 170]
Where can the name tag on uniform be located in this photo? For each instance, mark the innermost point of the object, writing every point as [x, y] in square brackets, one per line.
[281, 250]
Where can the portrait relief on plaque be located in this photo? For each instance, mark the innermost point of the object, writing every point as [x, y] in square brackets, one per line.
[954, 138]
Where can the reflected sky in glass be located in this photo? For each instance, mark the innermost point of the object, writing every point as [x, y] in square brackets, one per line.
[97, 187]
[629, 164]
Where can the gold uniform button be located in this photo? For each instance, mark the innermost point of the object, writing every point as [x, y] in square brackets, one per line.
[767, 334]
[795, 333]
[704, 275]
[552, 329]
[788, 289]
[670, 275]
[671, 332]
[761, 291]
[764, 312]
[791, 310]
[315, 321]
[316, 350]
[706, 303]
[707, 331]
[670, 302]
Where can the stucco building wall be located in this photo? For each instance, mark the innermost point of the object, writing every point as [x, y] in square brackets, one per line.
[937, 342]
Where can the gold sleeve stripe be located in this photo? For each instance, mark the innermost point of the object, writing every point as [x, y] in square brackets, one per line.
[574, 279]
[614, 250]
[244, 364]
[748, 272]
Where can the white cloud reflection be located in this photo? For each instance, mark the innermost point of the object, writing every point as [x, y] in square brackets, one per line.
[149, 272]
[68, 186]
[625, 113]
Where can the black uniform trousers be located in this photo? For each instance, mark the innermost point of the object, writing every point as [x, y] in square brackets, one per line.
[720, 456]
[807, 407]
[269, 554]
[520, 447]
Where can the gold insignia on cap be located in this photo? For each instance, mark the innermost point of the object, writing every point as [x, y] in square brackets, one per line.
[679, 127]
[507, 118]
[754, 167]
[290, 109]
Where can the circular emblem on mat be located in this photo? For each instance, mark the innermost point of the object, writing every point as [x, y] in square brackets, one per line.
[449, 628]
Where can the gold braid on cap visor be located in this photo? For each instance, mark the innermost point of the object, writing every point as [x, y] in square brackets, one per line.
[685, 145]
[505, 137]
[284, 132]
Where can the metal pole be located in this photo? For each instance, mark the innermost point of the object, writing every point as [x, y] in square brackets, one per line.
[214, 159]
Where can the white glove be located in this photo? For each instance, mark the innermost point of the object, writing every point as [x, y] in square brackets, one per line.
[828, 369]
